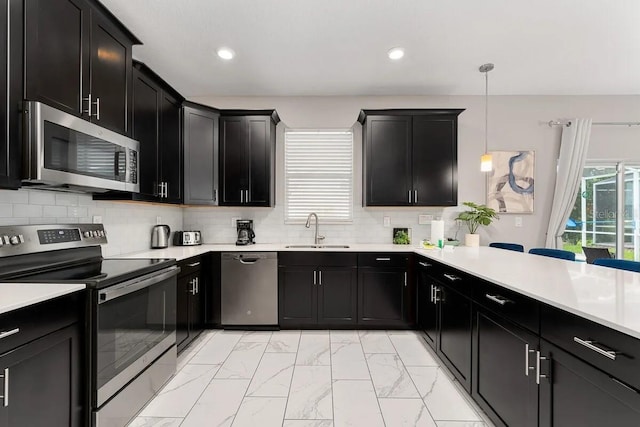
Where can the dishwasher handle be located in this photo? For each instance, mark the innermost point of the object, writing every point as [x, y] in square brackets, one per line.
[248, 261]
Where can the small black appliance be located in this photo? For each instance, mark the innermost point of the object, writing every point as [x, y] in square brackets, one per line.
[246, 235]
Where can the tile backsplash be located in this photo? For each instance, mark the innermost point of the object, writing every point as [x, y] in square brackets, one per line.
[128, 225]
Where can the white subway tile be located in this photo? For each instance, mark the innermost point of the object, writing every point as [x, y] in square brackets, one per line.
[54, 211]
[12, 196]
[66, 199]
[42, 198]
[27, 211]
[6, 210]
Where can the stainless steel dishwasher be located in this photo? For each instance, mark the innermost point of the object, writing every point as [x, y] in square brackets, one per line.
[249, 288]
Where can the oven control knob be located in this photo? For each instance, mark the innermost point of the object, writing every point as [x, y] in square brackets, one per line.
[86, 234]
[14, 240]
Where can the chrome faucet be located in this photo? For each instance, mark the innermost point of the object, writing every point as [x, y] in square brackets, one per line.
[308, 224]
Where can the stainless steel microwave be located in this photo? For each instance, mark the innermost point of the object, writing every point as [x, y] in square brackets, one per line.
[65, 152]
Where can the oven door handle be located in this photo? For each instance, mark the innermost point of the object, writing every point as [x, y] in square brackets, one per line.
[125, 288]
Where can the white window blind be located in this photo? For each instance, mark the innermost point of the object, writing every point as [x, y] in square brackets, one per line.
[318, 175]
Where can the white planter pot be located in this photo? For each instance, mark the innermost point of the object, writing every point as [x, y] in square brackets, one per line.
[472, 240]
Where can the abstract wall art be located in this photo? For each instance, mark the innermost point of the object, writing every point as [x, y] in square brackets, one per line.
[510, 184]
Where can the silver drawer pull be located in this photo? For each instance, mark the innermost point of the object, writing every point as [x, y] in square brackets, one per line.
[496, 298]
[424, 264]
[194, 264]
[590, 345]
[383, 259]
[9, 333]
[452, 277]
[5, 396]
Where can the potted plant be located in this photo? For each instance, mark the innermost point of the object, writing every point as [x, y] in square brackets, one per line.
[476, 216]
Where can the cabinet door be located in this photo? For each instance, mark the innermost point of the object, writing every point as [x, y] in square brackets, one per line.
[259, 149]
[146, 105]
[503, 384]
[381, 294]
[388, 161]
[45, 384]
[577, 394]
[297, 296]
[185, 288]
[170, 147]
[200, 129]
[435, 176]
[196, 308]
[337, 295]
[427, 307]
[57, 53]
[110, 75]
[454, 338]
[233, 160]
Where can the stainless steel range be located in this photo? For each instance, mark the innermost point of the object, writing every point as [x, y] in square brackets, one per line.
[131, 310]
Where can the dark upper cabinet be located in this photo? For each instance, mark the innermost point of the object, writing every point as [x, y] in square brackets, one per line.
[170, 146]
[410, 157]
[247, 157]
[146, 123]
[200, 139]
[78, 59]
[503, 384]
[11, 52]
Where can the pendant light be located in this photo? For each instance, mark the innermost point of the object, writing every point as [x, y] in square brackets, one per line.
[486, 163]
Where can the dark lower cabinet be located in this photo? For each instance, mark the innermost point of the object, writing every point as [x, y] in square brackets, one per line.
[454, 333]
[297, 296]
[337, 300]
[190, 308]
[427, 306]
[504, 375]
[574, 393]
[381, 293]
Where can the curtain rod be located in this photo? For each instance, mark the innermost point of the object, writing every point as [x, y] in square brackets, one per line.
[552, 123]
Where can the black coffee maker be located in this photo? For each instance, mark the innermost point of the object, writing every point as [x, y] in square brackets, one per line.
[245, 232]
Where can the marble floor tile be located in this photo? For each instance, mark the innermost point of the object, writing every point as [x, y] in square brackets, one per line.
[461, 424]
[347, 361]
[217, 348]
[405, 413]
[412, 350]
[344, 336]
[355, 404]
[260, 411]
[390, 378]
[273, 376]
[256, 336]
[307, 423]
[155, 422]
[310, 395]
[181, 393]
[284, 342]
[314, 349]
[188, 353]
[442, 398]
[243, 360]
[218, 404]
[376, 342]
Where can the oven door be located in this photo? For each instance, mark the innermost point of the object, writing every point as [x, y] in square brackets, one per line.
[135, 323]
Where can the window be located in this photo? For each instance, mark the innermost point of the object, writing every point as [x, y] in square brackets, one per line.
[318, 169]
[603, 216]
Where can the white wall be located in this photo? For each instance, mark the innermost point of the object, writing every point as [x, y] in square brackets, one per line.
[128, 225]
[515, 122]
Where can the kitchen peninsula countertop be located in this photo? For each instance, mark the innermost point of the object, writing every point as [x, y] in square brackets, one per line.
[18, 295]
[607, 296]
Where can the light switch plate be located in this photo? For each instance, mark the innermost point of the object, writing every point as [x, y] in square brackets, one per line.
[97, 219]
[386, 221]
[425, 219]
[518, 221]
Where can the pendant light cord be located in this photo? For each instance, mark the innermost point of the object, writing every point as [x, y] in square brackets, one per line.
[486, 111]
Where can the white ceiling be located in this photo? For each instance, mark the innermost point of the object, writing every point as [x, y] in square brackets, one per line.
[338, 47]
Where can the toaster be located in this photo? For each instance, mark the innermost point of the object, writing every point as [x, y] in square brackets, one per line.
[187, 238]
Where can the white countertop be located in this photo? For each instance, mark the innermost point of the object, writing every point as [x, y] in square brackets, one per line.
[604, 295]
[18, 295]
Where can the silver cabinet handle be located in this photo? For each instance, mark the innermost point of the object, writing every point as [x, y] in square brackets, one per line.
[194, 264]
[425, 264]
[246, 196]
[497, 298]
[241, 196]
[97, 108]
[88, 110]
[415, 196]
[320, 277]
[409, 196]
[166, 188]
[9, 333]
[215, 194]
[590, 345]
[192, 282]
[538, 374]
[383, 259]
[527, 352]
[197, 284]
[452, 277]
[315, 277]
[405, 279]
[5, 396]
[430, 293]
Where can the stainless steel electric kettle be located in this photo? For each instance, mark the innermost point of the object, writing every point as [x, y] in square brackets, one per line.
[160, 236]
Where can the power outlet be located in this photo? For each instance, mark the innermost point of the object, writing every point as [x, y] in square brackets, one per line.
[158, 219]
[518, 221]
[425, 219]
[386, 221]
[97, 219]
[234, 220]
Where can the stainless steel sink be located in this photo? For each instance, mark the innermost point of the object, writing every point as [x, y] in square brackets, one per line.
[317, 246]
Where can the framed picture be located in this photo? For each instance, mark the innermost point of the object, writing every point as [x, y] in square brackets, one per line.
[510, 185]
[402, 236]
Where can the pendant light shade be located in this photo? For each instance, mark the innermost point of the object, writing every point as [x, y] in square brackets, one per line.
[486, 161]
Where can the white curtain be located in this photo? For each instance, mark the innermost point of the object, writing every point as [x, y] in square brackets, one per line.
[573, 153]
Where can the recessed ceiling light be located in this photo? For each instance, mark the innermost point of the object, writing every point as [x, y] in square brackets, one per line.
[396, 53]
[226, 53]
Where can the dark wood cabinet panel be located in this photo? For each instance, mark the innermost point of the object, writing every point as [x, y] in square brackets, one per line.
[259, 153]
[381, 294]
[200, 139]
[170, 147]
[233, 172]
[190, 307]
[427, 307]
[297, 296]
[337, 295]
[454, 340]
[146, 104]
[182, 310]
[502, 383]
[577, 394]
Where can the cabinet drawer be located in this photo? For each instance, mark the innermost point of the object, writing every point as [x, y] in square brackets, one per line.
[394, 260]
[190, 265]
[511, 305]
[338, 259]
[613, 352]
[460, 282]
[40, 319]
